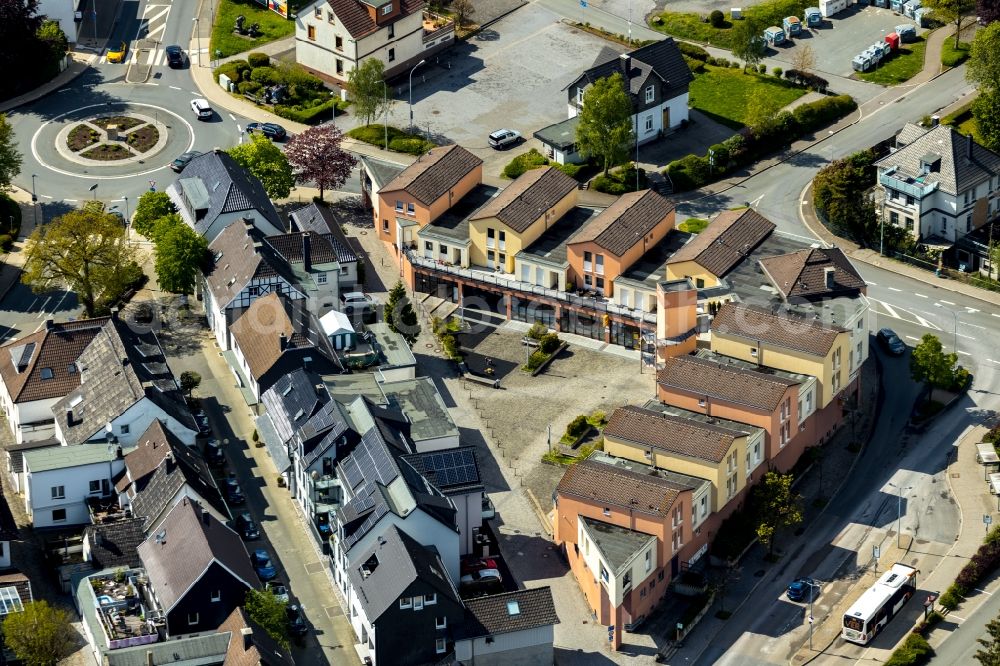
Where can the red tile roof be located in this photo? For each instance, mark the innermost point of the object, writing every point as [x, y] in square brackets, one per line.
[626, 222]
[724, 243]
[781, 329]
[727, 383]
[604, 484]
[803, 273]
[670, 433]
[433, 175]
[528, 198]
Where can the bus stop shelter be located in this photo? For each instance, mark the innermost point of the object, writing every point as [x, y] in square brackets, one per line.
[986, 455]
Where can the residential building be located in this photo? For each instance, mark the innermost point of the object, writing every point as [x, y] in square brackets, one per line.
[38, 369]
[197, 568]
[273, 337]
[656, 78]
[8, 533]
[508, 628]
[559, 141]
[616, 238]
[625, 530]
[333, 37]
[424, 191]
[937, 184]
[125, 383]
[320, 219]
[455, 472]
[59, 480]
[250, 644]
[725, 243]
[288, 405]
[404, 607]
[375, 174]
[319, 263]
[214, 191]
[113, 544]
[431, 427]
[816, 273]
[69, 15]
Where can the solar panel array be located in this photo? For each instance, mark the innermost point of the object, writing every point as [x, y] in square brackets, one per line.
[456, 467]
[10, 601]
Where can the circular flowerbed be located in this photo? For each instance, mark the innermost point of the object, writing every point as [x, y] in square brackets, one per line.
[107, 152]
[143, 138]
[80, 137]
[123, 123]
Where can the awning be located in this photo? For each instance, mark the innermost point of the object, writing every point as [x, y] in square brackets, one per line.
[275, 447]
[995, 483]
[986, 454]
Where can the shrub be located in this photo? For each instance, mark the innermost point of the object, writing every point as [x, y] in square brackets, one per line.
[607, 185]
[571, 170]
[412, 145]
[6, 242]
[577, 426]
[720, 155]
[993, 436]
[249, 87]
[696, 66]
[762, 68]
[692, 51]
[951, 598]
[688, 173]
[535, 360]
[234, 69]
[777, 72]
[265, 75]
[258, 60]
[524, 162]
[717, 18]
[537, 330]
[548, 343]
[722, 62]
[10, 209]
[309, 115]
[915, 650]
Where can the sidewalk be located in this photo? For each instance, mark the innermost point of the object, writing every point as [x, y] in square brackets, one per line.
[78, 64]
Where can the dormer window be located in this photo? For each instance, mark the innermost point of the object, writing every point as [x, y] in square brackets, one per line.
[386, 9]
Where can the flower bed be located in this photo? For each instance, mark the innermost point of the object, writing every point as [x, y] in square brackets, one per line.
[107, 152]
[80, 137]
[123, 123]
[143, 138]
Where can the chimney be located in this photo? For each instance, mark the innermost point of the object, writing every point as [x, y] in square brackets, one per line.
[828, 276]
[247, 634]
[283, 341]
[149, 658]
[114, 313]
[626, 62]
[69, 417]
[205, 515]
[50, 324]
[247, 224]
[320, 389]
[305, 252]
[968, 146]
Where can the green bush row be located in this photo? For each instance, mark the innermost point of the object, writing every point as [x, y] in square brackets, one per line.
[914, 651]
[306, 115]
[694, 171]
[535, 160]
[399, 141]
[621, 180]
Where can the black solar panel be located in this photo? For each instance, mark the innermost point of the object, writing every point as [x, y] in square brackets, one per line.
[453, 467]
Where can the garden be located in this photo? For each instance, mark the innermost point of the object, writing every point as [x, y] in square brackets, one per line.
[582, 437]
[87, 138]
[901, 66]
[547, 346]
[399, 141]
[285, 89]
[81, 137]
[535, 160]
[272, 26]
[724, 92]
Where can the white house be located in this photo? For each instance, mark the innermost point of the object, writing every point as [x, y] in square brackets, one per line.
[455, 472]
[509, 628]
[937, 184]
[37, 370]
[59, 480]
[332, 37]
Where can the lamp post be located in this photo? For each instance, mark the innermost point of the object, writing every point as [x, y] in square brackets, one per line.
[899, 511]
[411, 92]
[197, 36]
[93, 188]
[34, 202]
[954, 336]
[385, 119]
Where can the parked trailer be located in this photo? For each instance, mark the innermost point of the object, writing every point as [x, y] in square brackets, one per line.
[896, 6]
[892, 39]
[813, 16]
[910, 7]
[907, 33]
[792, 25]
[861, 63]
[920, 16]
[830, 7]
[774, 35]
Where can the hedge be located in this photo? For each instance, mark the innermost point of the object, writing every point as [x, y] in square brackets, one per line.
[693, 171]
[236, 70]
[10, 222]
[621, 180]
[524, 162]
[692, 51]
[914, 651]
[979, 567]
[257, 59]
[399, 140]
[306, 116]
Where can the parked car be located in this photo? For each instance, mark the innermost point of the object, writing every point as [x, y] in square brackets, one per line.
[234, 494]
[201, 418]
[263, 565]
[799, 589]
[504, 138]
[279, 591]
[214, 454]
[175, 56]
[246, 526]
[470, 566]
[272, 131]
[482, 576]
[178, 164]
[296, 620]
[356, 301]
[201, 108]
[890, 342]
[118, 54]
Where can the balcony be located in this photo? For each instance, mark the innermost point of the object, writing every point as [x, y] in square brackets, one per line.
[914, 187]
[123, 610]
[436, 27]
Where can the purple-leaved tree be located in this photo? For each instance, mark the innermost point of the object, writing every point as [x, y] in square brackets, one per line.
[317, 157]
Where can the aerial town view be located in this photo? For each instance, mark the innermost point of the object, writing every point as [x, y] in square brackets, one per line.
[499, 332]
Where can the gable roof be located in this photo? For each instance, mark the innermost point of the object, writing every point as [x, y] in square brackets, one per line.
[626, 222]
[293, 400]
[786, 330]
[121, 366]
[600, 483]
[359, 22]
[616, 544]
[671, 433]
[703, 377]
[726, 241]
[191, 541]
[508, 612]
[802, 274]
[250, 644]
[114, 544]
[661, 59]
[41, 365]
[434, 174]
[323, 248]
[963, 162]
[239, 255]
[453, 471]
[528, 198]
[223, 186]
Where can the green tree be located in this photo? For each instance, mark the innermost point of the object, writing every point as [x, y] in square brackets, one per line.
[983, 66]
[605, 127]
[747, 41]
[265, 160]
[163, 225]
[190, 380]
[54, 39]
[761, 111]
[10, 158]
[83, 251]
[180, 252]
[990, 654]
[984, 110]
[407, 324]
[930, 365]
[464, 10]
[392, 304]
[40, 635]
[951, 11]
[777, 507]
[151, 207]
[367, 87]
[269, 612]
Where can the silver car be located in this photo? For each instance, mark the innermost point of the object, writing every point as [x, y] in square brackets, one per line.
[504, 138]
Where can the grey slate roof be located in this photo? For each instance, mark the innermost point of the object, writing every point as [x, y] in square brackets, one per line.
[324, 248]
[120, 367]
[190, 543]
[292, 401]
[400, 562]
[324, 430]
[617, 544]
[661, 59]
[239, 255]
[228, 188]
[114, 544]
[958, 171]
[508, 612]
[452, 471]
[185, 467]
[201, 649]
[382, 171]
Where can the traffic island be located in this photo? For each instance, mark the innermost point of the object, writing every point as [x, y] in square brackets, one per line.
[112, 138]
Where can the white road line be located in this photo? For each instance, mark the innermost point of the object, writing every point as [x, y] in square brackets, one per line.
[894, 289]
[164, 12]
[994, 314]
[45, 196]
[952, 616]
[175, 87]
[910, 337]
[920, 295]
[872, 284]
[971, 310]
[68, 200]
[946, 302]
[232, 117]
[984, 592]
[964, 353]
[967, 337]
[992, 361]
[924, 322]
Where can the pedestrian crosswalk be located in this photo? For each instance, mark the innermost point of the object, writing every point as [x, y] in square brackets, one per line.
[147, 48]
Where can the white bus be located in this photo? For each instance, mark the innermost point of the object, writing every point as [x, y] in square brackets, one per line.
[879, 604]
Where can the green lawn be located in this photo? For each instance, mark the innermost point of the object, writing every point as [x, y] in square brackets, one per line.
[901, 66]
[953, 57]
[689, 25]
[224, 39]
[723, 93]
[693, 225]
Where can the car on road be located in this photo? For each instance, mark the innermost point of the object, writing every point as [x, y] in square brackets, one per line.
[234, 494]
[201, 418]
[799, 589]
[247, 527]
[182, 161]
[214, 454]
[118, 54]
[272, 131]
[356, 301]
[890, 342]
[296, 620]
[504, 138]
[278, 589]
[263, 565]
[175, 56]
[202, 108]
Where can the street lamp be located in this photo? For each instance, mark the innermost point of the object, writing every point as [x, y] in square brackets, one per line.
[197, 36]
[385, 105]
[411, 92]
[34, 198]
[954, 337]
[93, 188]
[899, 510]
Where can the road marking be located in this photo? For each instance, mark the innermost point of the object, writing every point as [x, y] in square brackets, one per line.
[952, 616]
[46, 196]
[994, 314]
[971, 310]
[232, 117]
[992, 361]
[967, 337]
[175, 87]
[910, 337]
[891, 312]
[41, 310]
[984, 592]
[946, 302]
[68, 200]
[894, 289]
[872, 284]
[920, 295]
[964, 353]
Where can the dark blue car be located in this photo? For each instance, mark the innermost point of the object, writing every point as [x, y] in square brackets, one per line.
[800, 587]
